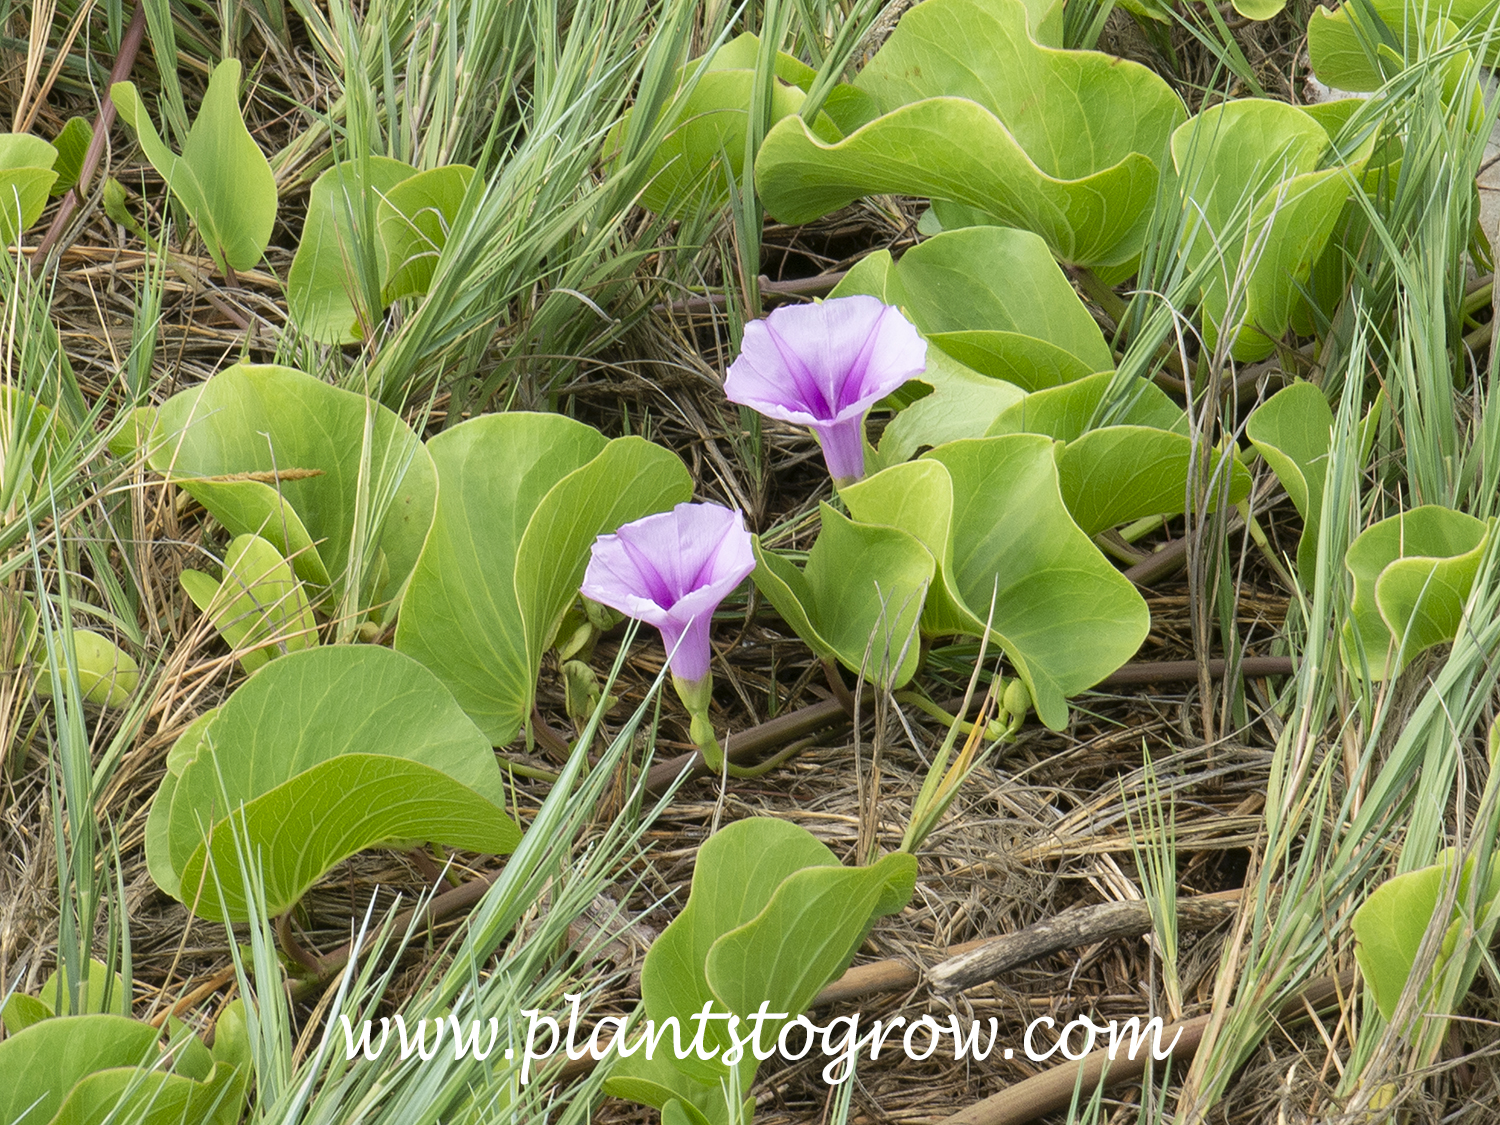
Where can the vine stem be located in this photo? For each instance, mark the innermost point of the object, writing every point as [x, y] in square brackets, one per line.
[130, 47]
[294, 949]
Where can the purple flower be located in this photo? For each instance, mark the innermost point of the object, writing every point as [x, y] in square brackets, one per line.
[672, 570]
[824, 365]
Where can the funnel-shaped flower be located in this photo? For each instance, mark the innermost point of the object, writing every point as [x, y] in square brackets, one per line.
[824, 365]
[672, 570]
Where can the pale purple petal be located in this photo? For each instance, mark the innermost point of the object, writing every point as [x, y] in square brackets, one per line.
[826, 364]
[843, 449]
[672, 570]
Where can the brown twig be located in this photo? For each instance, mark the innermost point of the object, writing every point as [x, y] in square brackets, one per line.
[461, 897]
[1167, 671]
[1165, 560]
[818, 286]
[1071, 930]
[1053, 1090]
[207, 988]
[130, 46]
[1160, 563]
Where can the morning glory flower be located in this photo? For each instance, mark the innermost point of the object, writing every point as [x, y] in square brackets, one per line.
[824, 365]
[672, 570]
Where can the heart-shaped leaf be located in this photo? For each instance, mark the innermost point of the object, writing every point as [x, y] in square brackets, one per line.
[1068, 144]
[1412, 576]
[72, 146]
[807, 934]
[90, 1069]
[991, 513]
[367, 723]
[705, 144]
[107, 676]
[1259, 9]
[1117, 462]
[1117, 474]
[858, 599]
[104, 991]
[1068, 412]
[772, 917]
[414, 218]
[333, 289]
[1293, 431]
[1390, 925]
[1249, 172]
[26, 178]
[1360, 45]
[963, 404]
[523, 497]
[994, 299]
[222, 177]
[276, 453]
[259, 607]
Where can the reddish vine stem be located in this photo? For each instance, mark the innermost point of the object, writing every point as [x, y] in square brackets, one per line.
[294, 949]
[549, 739]
[130, 47]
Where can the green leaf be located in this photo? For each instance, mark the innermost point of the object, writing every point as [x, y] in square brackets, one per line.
[107, 676]
[72, 146]
[994, 299]
[104, 992]
[523, 497]
[1293, 431]
[629, 478]
[264, 419]
[33, 436]
[1067, 144]
[259, 607]
[771, 917]
[94, 1069]
[367, 723]
[705, 145]
[858, 599]
[874, 275]
[340, 245]
[21, 1011]
[963, 404]
[991, 513]
[39, 1065]
[1360, 45]
[1117, 474]
[26, 176]
[1259, 9]
[1248, 168]
[222, 177]
[384, 801]
[155, 1099]
[1391, 923]
[1413, 573]
[807, 935]
[415, 217]
[1068, 412]
[988, 295]
[656, 1082]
